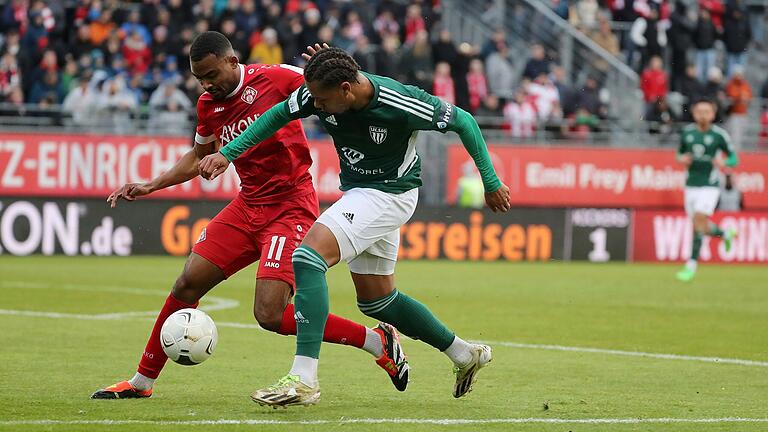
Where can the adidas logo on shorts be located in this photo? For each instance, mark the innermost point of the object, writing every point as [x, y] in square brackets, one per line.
[349, 216]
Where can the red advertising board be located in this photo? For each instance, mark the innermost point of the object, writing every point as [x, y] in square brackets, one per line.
[93, 166]
[591, 177]
[666, 236]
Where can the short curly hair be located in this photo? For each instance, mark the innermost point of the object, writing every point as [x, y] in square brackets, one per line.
[331, 67]
[209, 42]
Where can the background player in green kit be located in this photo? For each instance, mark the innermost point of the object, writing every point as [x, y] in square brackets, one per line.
[373, 121]
[700, 145]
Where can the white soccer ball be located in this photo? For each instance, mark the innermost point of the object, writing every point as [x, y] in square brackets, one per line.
[189, 336]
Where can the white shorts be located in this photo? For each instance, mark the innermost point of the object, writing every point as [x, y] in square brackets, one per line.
[366, 224]
[701, 199]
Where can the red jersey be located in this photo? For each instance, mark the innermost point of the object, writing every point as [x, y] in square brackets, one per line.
[278, 168]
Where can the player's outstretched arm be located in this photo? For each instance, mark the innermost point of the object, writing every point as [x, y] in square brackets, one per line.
[496, 192]
[264, 127]
[183, 170]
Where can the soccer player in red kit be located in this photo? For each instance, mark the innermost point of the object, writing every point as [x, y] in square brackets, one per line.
[266, 221]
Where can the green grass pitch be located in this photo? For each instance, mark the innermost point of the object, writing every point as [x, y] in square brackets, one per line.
[51, 362]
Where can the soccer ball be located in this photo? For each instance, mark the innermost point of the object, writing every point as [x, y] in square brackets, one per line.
[189, 336]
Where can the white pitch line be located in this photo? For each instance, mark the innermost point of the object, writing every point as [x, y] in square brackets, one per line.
[720, 360]
[343, 420]
[224, 303]
[212, 303]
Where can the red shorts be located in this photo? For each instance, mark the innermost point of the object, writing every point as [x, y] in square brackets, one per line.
[241, 234]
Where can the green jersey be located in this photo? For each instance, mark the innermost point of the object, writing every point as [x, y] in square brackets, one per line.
[703, 148]
[377, 144]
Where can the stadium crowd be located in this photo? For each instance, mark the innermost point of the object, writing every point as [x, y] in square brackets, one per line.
[109, 61]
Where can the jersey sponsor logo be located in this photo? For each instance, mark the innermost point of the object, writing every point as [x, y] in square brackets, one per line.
[232, 131]
[352, 155]
[332, 120]
[202, 236]
[378, 134]
[249, 95]
[445, 116]
[348, 216]
[218, 109]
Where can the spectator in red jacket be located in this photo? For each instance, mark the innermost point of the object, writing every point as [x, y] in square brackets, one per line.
[478, 86]
[443, 85]
[653, 81]
[137, 54]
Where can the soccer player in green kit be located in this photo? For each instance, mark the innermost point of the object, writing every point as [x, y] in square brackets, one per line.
[700, 145]
[373, 121]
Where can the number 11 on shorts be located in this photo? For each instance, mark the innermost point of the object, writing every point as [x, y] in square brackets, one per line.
[276, 254]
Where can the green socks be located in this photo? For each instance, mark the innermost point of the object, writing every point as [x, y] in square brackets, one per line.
[410, 317]
[697, 238]
[311, 302]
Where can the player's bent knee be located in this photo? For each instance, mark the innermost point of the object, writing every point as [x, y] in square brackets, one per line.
[184, 289]
[269, 318]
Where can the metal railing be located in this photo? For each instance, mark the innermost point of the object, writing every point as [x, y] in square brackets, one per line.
[529, 21]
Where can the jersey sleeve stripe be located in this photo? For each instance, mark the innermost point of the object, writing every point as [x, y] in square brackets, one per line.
[410, 100]
[406, 109]
[199, 139]
[384, 97]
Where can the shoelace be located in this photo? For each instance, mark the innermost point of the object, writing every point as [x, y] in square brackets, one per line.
[285, 381]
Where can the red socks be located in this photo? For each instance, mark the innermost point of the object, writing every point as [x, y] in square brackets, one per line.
[338, 330]
[153, 359]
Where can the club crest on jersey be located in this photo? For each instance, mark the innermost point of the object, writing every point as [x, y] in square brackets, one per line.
[378, 134]
[249, 95]
[352, 155]
[708, 140]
